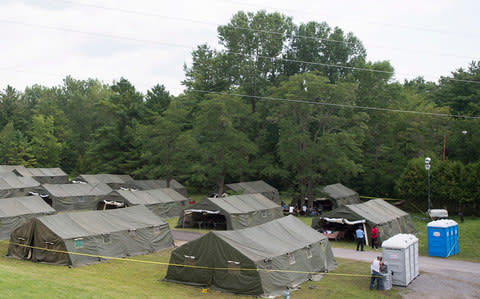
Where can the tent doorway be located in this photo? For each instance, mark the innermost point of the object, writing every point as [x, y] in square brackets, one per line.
[204, 219]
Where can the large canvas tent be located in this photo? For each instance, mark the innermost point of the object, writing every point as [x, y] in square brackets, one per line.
[256, 187]
[12, 185]
[157, 184]
[163, 202]
[339, 195]
[70, 197]
[43, 175]
[115, 181]
[84, 237]
[231, 212]
[389, 219]
[282, 244]
[15, 211]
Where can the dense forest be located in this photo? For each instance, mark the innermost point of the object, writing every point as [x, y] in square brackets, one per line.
[298, 106]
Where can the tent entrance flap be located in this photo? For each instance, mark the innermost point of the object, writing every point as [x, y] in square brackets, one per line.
[204, 219]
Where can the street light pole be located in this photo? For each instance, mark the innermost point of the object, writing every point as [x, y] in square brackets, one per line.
[427, 167]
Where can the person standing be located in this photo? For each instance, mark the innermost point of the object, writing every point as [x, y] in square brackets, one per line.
[375, 269]
[360, 237]
[374, 236]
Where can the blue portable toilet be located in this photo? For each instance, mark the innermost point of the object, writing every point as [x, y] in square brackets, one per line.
[442, 238]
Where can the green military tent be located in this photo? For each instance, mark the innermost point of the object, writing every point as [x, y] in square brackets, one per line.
[115, 181]
[43, 175]
[15, 211]
[12, 185]
[231, 212]
[157, 184]
[164, 202]
[338, 195]
[256, 187]
[70, 197]
[239, 261]
[389, 219]
[83, 238]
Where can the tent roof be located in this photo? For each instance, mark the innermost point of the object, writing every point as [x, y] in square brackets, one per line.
[245, 203]
[8, 168]
[11, 181]
[270, 239]
[83, 224]
[68, 190]
[156, 184]
[375, 211]
[16, 206]
[154, 196]
[33, 172]
[338, 190]
[105, 178]
[251, 187]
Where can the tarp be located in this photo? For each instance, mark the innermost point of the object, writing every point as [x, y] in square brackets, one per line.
[15, 211]
[256, 187]
[340, 195]
[113, 233]
[69, 197]
[43, 175]
[240, 211]
[12, 185]
[115, 181]
[282, 244]
[164, 202]
[157, 184]
[389, 219]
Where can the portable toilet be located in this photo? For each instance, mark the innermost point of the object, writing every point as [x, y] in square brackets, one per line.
[442, 238]
[400, 253]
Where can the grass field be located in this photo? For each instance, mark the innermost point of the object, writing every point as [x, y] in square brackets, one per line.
[126, 279]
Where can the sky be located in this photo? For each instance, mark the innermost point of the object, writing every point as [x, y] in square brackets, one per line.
[149, 42]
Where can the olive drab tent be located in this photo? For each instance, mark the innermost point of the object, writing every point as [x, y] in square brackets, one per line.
[389, 219]
[82, 238]
[252, 187]
[239, 261]
[43, 175]
[157, 184]
[114, 181]
[15, 211]
[12, 185]
[164, 202]
[231, 212]
[339, 195]
[70, 197]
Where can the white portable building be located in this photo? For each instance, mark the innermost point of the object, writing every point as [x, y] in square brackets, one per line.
[400, 253]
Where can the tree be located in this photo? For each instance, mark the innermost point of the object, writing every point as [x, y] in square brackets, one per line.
[319, 48]
[252, 43]
[14, 147]
[45, 147]
[157, 99]
[223, 150]
[318, 142]
[112, 148]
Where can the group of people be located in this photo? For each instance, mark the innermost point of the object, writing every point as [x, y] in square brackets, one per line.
[360, 236]
[304, 211]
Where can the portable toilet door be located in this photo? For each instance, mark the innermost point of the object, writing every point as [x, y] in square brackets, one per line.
[442, 238]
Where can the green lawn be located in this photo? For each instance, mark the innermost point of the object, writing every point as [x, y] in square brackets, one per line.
[126, 279]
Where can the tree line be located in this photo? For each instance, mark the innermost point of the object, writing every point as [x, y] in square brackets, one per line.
[299, 106]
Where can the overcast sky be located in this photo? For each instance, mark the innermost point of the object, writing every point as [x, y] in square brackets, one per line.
[148, 42]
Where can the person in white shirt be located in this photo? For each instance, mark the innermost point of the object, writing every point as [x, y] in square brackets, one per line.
[375, 269]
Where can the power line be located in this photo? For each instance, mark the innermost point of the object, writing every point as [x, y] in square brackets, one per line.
[337, 105]
[151, 14]
[374, 23]
[104, 35]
